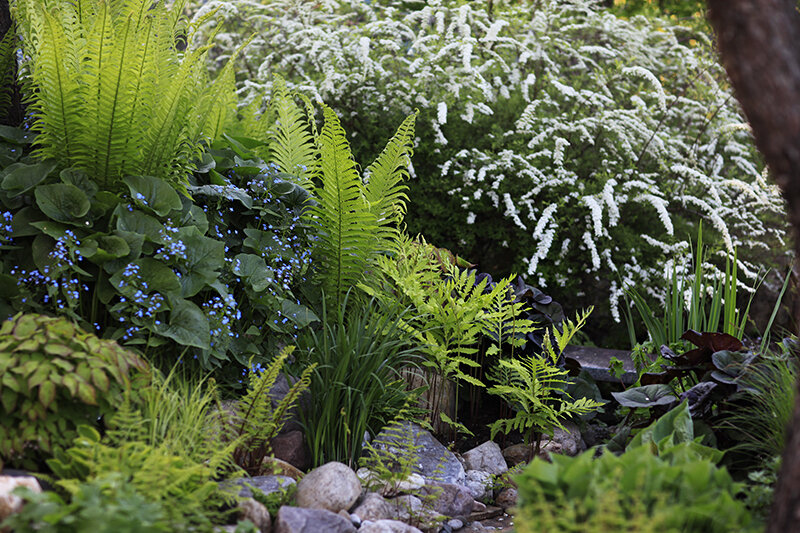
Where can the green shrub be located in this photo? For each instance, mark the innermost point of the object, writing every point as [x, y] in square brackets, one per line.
[559, 142]
[55, 377]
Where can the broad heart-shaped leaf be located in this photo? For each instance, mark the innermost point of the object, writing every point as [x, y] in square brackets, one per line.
[158, 276]
[16, 135]
[258, 240]
[137, 222]
[204, 259]
[101, 248]
[79, 179]
[187, 326]
[134, 242]
[713, 341]
[254, 269]
[646, 396]
[301, 315]
[219, 191]
[8, 286]
[62, 201]
[154, 193]
[20, 177]
[676, 423]
[730, 365]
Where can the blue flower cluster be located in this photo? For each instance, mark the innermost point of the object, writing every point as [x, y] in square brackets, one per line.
[173, 247]
[222, 314]
[5, 226]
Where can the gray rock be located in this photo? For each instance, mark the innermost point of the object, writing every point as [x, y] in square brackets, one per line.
[431, 460]
[299, 520]
[488, 457]
[291, 447]
[516, 454]
[249, 509]
[387, 526]
[371, 481]
[479, 484]
[373, 507]
[449, 499]
[332, 486]
[478, 507]
[507, 498]
[455, 524]
[474, 527]
[355, 519]
[410, 509]
[569, 439]
[266, 484]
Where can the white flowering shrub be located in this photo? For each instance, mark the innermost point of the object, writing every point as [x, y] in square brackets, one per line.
[558, 141]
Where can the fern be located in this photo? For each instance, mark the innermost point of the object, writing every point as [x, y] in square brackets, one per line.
[7, 70]
[293, 148]
[110, 92]
[260, 422]
[534, 387]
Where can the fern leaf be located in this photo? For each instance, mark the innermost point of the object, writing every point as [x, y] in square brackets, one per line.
[293, 148]
[345, 226]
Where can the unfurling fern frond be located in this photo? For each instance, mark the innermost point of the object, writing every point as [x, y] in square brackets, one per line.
[293, 148]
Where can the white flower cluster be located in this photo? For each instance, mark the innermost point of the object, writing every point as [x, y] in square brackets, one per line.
[621, 139]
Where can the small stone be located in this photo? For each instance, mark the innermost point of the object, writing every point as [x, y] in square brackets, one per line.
[355, 519]
[249, 509]
[373, 507]
[478, 507]
[507, 498]
[299, 520]
[455, 523]
[487, 458]
[474, 527]
[332, 486]
[387, 526]
[278, 467]
[11, 503]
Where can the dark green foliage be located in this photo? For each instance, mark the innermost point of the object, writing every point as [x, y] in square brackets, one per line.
[55, 377]
[356, 385]
[154, 268]
[107, 504]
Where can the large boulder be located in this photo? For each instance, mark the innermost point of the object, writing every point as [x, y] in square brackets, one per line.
[488, 457]
[299, 520]
[291, 447]
[430, 458]
[332, 486]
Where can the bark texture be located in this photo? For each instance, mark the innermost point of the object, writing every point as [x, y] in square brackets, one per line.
[758, 41]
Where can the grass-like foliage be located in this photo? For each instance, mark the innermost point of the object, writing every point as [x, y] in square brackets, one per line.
[118, 88]
[356, 385]
[534, 387]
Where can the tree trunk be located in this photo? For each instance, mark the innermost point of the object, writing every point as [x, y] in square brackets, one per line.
[758, 42]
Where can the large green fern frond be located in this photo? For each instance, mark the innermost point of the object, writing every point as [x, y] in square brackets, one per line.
[385, 191]
[293, 148]
[7, 68]
[345, 226]
[57, 100]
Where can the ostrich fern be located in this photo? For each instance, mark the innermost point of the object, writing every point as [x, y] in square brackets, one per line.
[110, 92]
